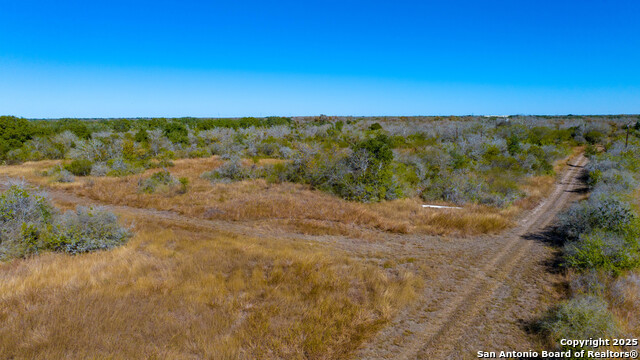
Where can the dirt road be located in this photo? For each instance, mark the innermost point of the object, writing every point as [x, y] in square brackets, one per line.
[488, 310]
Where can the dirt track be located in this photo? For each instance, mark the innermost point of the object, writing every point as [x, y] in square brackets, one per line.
[479, 292]
[488, 311]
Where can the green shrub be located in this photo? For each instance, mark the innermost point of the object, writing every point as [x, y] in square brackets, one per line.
[13, 133]
[121, 167]
[513, 145]
[141, 136]
[459, 161]
[583, 317]
[60, 174]
[85, 230]
[541, 135]
[367, 173]
[277, 173]
[176, 132]
[161, 180]
[599, 212]
[76, 126]
[120, 125]
[593, 137]
[543, 161]
[79, 167]
[590, 150]
[184, 185]
[603, 250]
[231, 171]
[29, 224]
[64, 176]
[364, 174]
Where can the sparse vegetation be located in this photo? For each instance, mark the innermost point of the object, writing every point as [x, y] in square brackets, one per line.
[603, 231]
[602, 244]
[358, 159]
[231, 170]
[488, 165]
[330, 200]
[208, 295]
[31, 225]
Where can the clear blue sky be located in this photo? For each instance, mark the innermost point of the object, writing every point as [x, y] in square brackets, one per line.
[237, 58]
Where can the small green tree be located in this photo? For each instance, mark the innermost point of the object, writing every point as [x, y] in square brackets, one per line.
[176, 132]
[79, 167]
[141, 136]
[370, 176]
[513, 145]
[14, 132]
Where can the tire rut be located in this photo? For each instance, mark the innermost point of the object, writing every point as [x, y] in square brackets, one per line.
[439, 336]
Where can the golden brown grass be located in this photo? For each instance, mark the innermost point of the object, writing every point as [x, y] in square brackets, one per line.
[292, 205]
[625, 298]
[301, 207]
[183, 294]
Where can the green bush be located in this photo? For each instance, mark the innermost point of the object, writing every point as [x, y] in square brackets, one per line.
[603, 250]
[590, 150]
[599, 212]
[120, 125]
[583, 317]
[277, 173]
[141, 136]
[162, 180]
[29, 224]
[121, 167]
[541, 135]
[60, 174]
[85, 230]
[459, 161]
[513, 145]
[184, 185]
[80, 167]
[13, 133]
[176, 132]
[543, 161]
[593, 137]
[367, 174]
[231, 171]
[76, 126]
[364, 174]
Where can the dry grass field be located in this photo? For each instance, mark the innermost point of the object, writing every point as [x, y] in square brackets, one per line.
[310, 276]
[178, 292]
[292, 206]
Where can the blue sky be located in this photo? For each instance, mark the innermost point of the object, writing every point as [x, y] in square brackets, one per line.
[249, 58]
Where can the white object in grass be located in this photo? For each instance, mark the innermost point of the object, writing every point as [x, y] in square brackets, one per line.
[440, 207]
